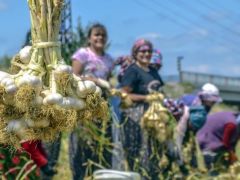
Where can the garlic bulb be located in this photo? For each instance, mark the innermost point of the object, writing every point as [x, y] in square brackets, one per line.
[37, 124]
[17, 127]
[53, 98]
[29, 79]
[69, 103]
[11, 89]
[85, 87]
[25, 54]
[4, 75]
[7, 81]
[98, 91]
[63, 68]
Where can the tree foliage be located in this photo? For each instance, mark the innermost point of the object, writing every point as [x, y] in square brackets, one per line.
[5, 62]
[79, 39]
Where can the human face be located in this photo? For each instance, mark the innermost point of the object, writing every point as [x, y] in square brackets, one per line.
[209, 103]
[97, 39]
[143, 56]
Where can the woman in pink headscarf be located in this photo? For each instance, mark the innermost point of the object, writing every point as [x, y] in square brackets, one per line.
[138, 81]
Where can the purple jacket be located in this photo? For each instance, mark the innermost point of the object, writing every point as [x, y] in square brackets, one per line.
[210, 136]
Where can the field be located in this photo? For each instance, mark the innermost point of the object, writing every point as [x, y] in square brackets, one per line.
[63, 168]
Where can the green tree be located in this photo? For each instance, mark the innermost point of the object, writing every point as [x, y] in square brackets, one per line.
[5, 62]
[79, 39]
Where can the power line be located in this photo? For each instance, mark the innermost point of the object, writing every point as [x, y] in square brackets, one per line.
[188, 20]
[178, 23]
[210, 20]
[193, 11]
[219, 5]
[183, 26]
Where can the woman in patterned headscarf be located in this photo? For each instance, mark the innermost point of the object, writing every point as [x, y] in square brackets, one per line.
[138, 81]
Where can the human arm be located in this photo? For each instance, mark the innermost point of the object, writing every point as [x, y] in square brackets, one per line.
[132, 96]
[229, 130]
[77, 67]
[78, 70]
[181, 130]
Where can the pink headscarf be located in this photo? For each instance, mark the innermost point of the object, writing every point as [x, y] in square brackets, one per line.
[141, 43]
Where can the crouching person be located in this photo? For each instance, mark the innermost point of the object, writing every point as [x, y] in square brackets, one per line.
[219, 137]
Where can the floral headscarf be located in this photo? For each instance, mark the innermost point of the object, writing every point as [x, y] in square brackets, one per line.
[124, 62]
[156, 57]
[141, 43]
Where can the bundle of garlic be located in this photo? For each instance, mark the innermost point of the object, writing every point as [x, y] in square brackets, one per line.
[157, 120]
[44, 97]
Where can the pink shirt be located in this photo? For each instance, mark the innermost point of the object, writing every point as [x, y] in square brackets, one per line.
[98, 66]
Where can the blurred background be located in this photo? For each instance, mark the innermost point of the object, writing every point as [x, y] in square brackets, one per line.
[206, 33]
[199, 41]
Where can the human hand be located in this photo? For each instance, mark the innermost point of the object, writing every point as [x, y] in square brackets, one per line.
[126, 101]
[232, 157]
[103, 83]
[154, 97]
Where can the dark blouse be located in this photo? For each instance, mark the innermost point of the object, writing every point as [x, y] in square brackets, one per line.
[140, 81]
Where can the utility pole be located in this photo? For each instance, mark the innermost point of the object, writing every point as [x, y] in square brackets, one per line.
[179, 67]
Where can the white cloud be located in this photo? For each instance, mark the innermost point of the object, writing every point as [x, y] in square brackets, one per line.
[3, 5]
[151, 36]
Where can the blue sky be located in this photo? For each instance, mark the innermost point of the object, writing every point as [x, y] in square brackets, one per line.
[205, 32]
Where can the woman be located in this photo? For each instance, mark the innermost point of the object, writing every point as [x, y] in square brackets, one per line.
[218, 136]
[139, 80]
[91, 63]
[208, 96]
